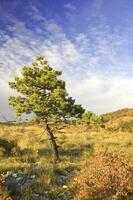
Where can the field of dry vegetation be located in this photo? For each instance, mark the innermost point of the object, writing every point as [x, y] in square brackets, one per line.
[95, 164]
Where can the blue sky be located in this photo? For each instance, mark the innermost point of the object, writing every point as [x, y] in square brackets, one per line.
[91, 41]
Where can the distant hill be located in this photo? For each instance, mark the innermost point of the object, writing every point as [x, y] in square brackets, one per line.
[121, 112]
[119, 119]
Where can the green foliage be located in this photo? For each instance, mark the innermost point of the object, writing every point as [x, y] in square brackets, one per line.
[86, 117]
[43, 93]
[9, 147]
[92, 118]
[97, 120]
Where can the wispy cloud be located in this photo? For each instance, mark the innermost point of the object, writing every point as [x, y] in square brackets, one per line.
[70, 7]
[95, 64]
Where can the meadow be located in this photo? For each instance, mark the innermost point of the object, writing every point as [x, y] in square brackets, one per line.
[28, 171]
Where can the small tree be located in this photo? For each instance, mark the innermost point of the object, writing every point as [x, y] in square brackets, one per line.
[92, 118]
[97, 120]
[44, 94]
[86, 117]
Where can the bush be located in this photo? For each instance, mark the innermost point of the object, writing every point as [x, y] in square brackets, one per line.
[86, 117]
[97, 120]
[93, 119]
[127, 126]
[106, 177]
[8, 147]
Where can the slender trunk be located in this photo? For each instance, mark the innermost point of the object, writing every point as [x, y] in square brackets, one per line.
[53, 142]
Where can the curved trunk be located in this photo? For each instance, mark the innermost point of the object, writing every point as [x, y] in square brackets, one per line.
[53, 142]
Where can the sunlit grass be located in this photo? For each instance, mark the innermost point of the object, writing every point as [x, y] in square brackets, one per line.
[77, 145]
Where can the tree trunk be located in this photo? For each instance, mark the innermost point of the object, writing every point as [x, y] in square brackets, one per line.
[53, 142]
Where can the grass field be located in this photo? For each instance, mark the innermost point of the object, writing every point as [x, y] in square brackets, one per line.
[30, 152]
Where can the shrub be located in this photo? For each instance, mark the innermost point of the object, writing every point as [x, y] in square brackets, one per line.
[127, 126]
[93, 119]
[97, 120]
[86, 117]
[8, 147]
[105, 177]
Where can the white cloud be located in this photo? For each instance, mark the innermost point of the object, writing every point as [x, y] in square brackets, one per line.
[103, 94]
[70, 7]
[95, 65]
[5, 110]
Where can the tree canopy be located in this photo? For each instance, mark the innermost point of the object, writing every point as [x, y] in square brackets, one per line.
[42, 92]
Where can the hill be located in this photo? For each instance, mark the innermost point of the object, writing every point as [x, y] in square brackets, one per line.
[120, 119]
[120, 113]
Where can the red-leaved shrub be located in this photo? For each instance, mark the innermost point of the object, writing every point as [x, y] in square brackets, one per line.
[105, 177]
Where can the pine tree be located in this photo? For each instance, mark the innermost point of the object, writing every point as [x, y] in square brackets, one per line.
[42, 92]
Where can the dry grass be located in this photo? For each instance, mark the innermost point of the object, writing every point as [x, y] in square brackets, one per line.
[77, 145]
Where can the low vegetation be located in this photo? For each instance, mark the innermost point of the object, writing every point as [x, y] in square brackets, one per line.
[105, 176]
[30, 173]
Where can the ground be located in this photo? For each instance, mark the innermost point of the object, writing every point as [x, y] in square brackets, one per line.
[27, 158]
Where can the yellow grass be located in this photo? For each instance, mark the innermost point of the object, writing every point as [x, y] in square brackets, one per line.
[77, 144]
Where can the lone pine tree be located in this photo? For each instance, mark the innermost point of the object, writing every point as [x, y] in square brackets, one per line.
[42, 92]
